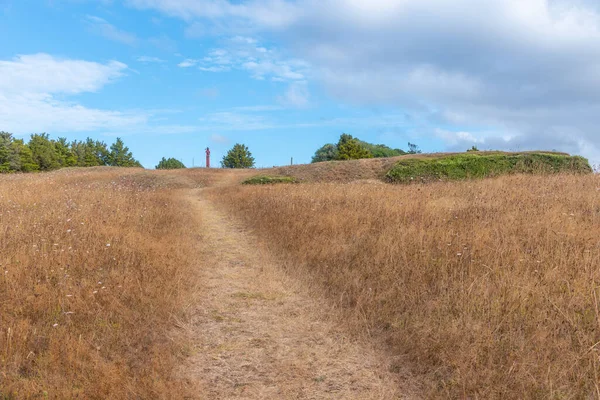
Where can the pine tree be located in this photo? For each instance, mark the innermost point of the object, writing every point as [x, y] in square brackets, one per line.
[238, 157]
[5, 151]
[120, 156]
[66, 158]
[44, 152]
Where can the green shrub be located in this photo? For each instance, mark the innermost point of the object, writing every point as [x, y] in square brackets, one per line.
[268, 180]
[481, 165]
[170, 163]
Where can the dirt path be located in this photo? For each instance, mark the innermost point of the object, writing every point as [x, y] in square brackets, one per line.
[260, 336]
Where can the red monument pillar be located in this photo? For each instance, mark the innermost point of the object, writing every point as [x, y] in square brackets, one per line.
[207, 157]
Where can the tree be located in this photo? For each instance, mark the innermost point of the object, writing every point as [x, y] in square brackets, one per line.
[328, 152]
[120, 156]
[66, 158]
[413, 148]
[381, 150]
[44, 152]
[351, 149]
[473, 148]
[26, 161]
[6, 152]
[238, 157]
[170, 163]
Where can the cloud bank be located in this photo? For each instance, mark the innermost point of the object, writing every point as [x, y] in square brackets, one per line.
[500, 73]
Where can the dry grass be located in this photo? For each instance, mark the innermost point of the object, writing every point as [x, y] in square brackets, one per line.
[490, 288]
[94, 268]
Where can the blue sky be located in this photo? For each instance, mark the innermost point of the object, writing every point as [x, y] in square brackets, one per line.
[285, 76]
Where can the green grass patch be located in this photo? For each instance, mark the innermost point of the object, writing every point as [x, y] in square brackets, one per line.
[473, 165]
[268, 180]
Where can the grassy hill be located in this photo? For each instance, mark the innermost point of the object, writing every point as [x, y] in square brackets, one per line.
[435, 166]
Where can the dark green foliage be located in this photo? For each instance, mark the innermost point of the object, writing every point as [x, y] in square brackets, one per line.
[120, 156]
[328, 152]
[473, 148]
[170, 163]
[381, 150]
[8, 156]
[26, 162]
[66, 158]
[45, 154]
[267, 180]
[351, 149]
[474, 165]
[238, 157]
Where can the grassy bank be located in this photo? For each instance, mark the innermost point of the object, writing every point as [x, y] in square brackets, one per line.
[487, 289]
[94, 269]
[481, 165]
[268, 180]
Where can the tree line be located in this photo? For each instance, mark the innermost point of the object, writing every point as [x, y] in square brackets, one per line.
[41, 153]
[351, 148]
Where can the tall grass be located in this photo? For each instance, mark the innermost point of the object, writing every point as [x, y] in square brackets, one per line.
[94, 268]
[490, 289]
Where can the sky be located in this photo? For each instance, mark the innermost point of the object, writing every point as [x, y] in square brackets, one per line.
[172, 77]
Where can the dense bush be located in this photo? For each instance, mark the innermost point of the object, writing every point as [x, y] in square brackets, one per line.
[480, 165]
[44, 154]
[351, 148]
[266, 180]
[170, 163]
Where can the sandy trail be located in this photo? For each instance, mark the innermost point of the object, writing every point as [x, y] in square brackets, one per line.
[259, 335]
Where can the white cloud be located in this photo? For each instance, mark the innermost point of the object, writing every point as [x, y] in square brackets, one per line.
[214, 69]
[271, 13]
[29, 84]
[297, 95]
[147, 59]
[42, 73]
[109, 31]
[187, 63]
[27, 113]
[245, 53]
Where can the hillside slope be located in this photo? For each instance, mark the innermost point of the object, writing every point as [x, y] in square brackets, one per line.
[379, 168]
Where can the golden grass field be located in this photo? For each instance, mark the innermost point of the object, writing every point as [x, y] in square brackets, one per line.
[489, 288]
[483, 289]
[95, 267]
